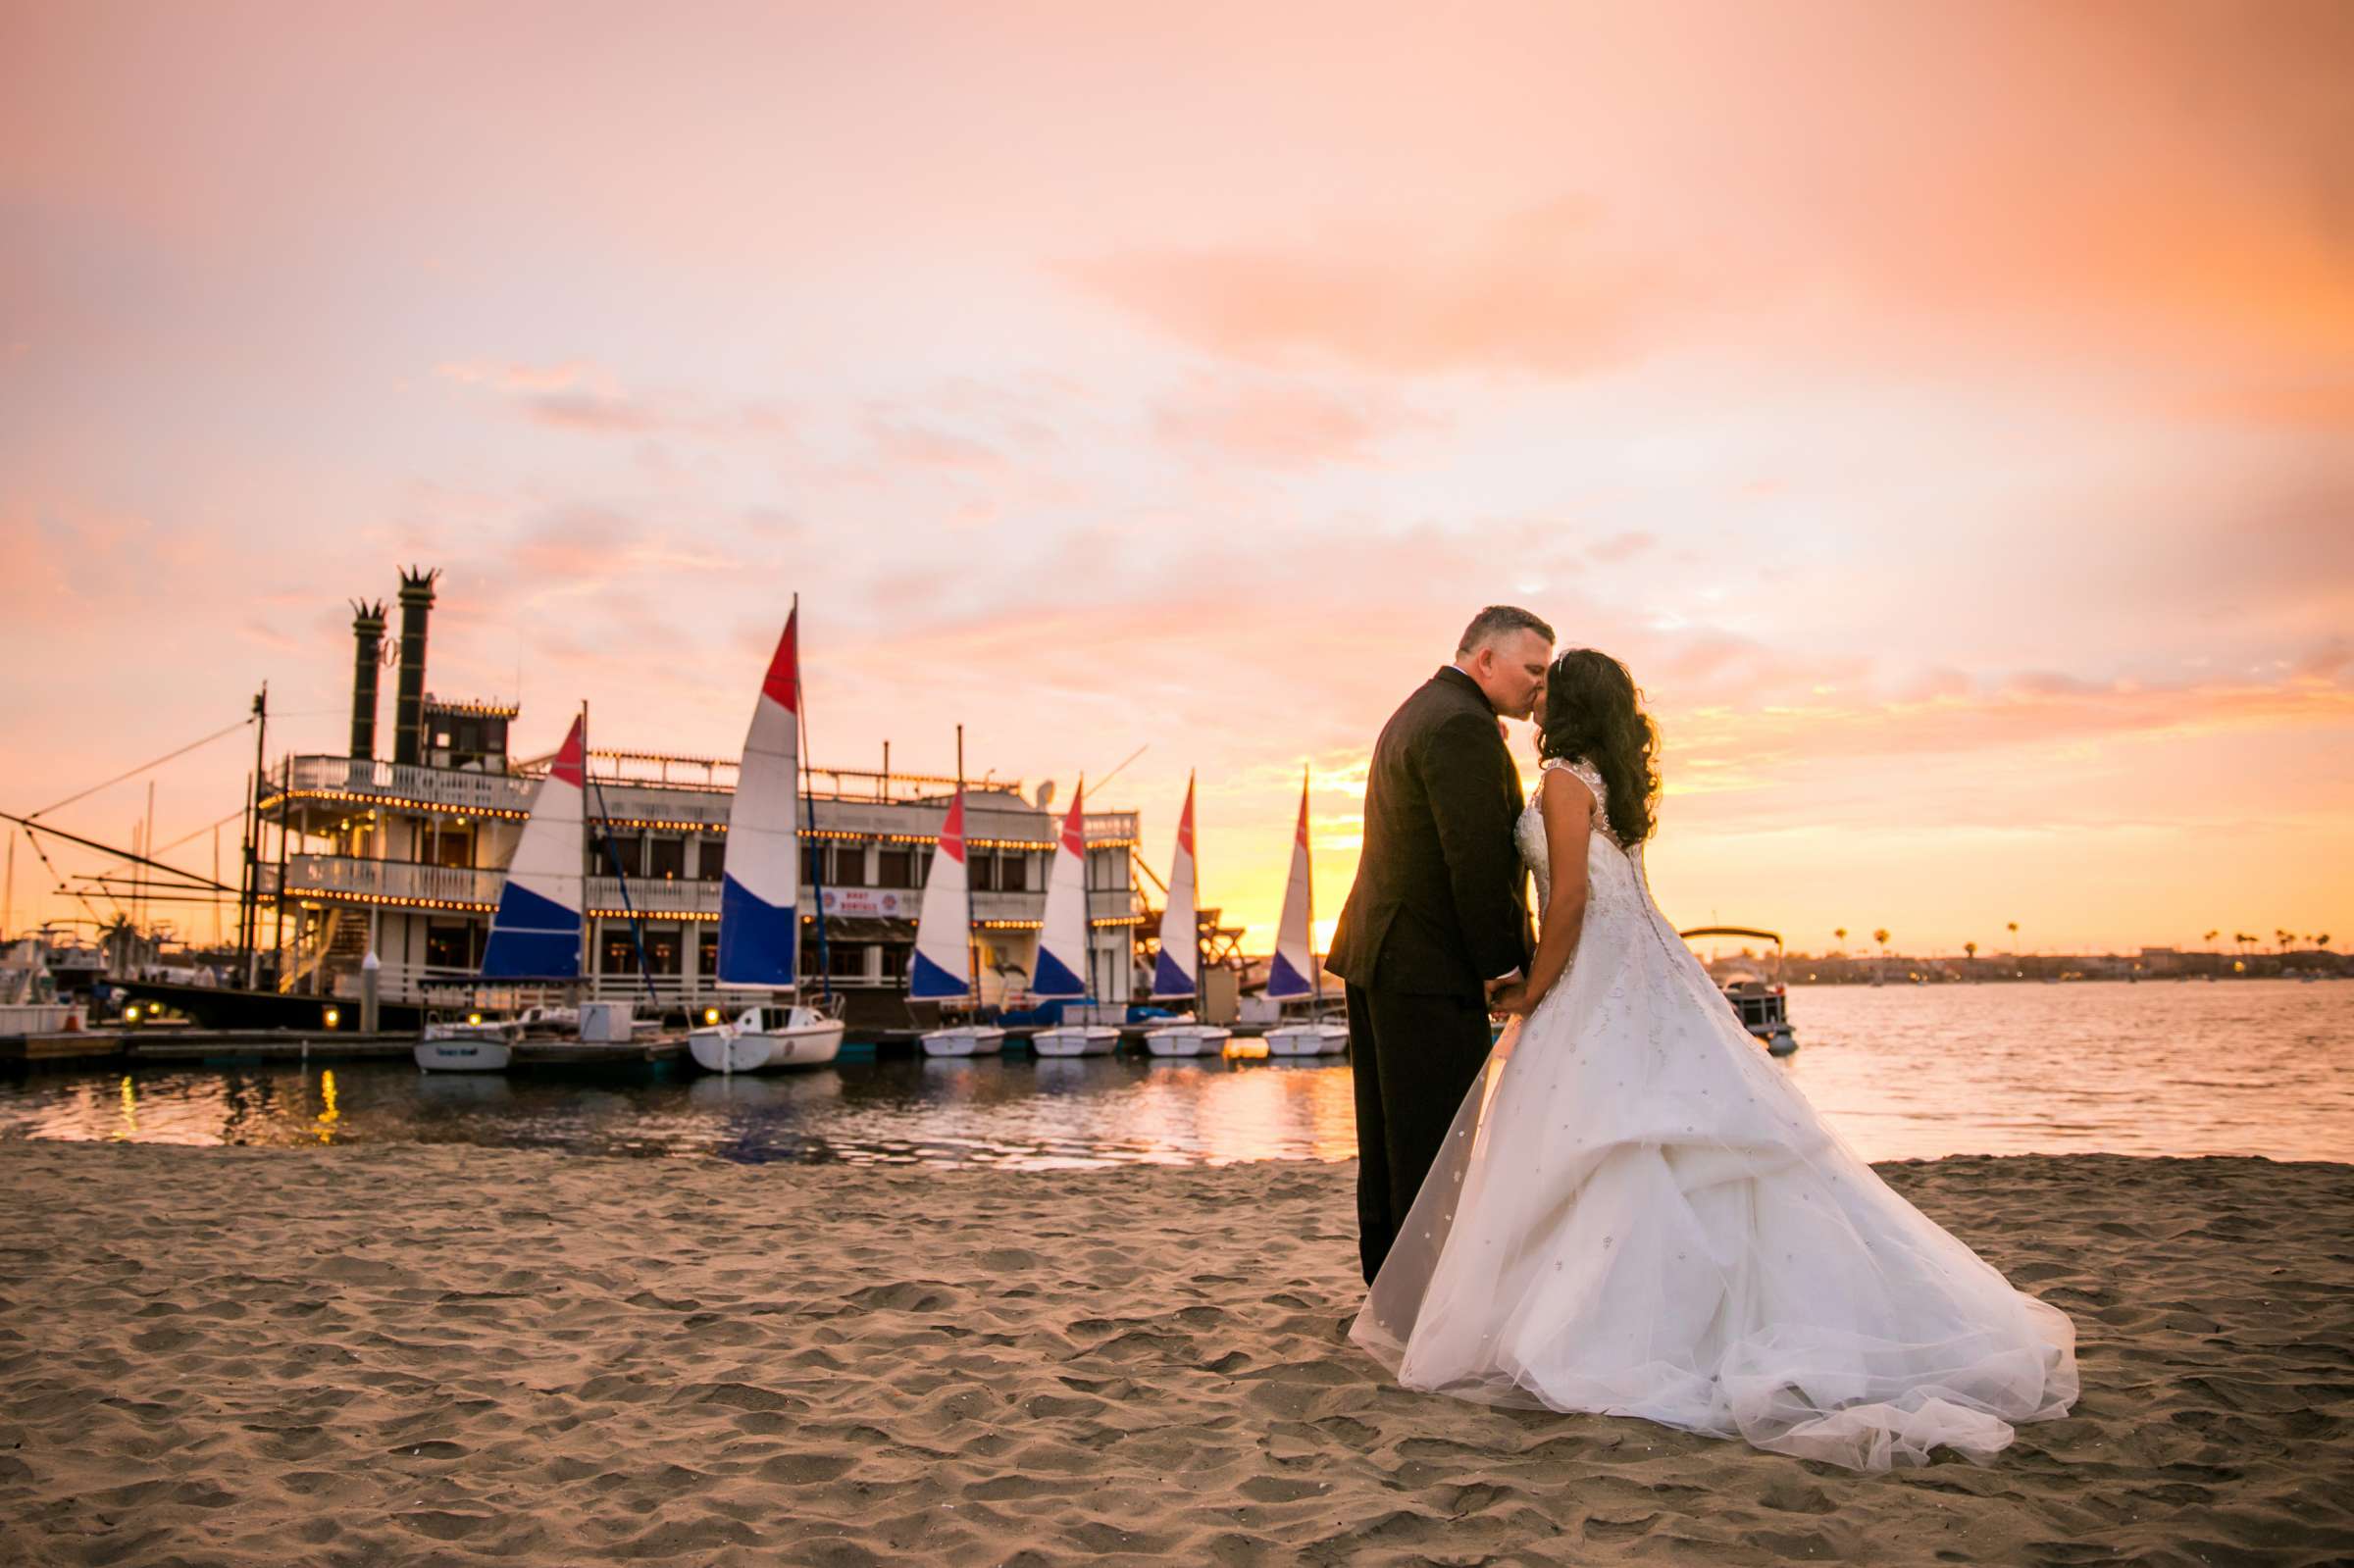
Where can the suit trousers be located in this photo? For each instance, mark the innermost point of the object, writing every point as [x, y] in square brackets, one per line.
[1413, 1058]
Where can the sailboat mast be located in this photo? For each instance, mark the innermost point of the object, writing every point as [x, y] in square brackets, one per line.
[1087, 899]
[1316, 966]
[590, 788]
[588, 954]
[972, 954]
[817, 849]
[1193, 874]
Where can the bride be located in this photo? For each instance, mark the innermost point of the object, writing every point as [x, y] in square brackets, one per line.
[1637, 1213]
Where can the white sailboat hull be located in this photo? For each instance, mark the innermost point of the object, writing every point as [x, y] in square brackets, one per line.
[464, 1053]
[724, 1048]
[966, 1039]
[1307, 1040]
[1187, 1039]
[1076, 1040]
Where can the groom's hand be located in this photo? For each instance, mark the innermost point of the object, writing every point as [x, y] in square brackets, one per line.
[1512, 1000]
[1503, 983]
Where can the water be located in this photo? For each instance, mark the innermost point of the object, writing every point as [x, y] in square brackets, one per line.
[2246, 1066]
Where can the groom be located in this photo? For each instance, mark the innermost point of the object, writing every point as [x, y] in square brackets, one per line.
[1438, 920]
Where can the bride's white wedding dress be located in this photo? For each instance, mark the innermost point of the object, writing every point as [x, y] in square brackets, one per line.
[1637, 1214]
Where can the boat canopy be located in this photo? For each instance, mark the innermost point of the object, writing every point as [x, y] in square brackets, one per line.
[1773, 937]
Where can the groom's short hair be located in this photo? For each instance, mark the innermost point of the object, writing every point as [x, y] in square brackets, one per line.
[1499, 620]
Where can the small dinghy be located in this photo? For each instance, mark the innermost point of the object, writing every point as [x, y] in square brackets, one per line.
[1177, 972]
[1060, 971]
[1295, 972]
[942, 970]
[767, 1036]
[759, 894]
[535, 934]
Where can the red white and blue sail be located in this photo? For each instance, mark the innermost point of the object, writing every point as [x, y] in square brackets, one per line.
[537, 933]
[1291, 974]
[759, 894]
[1176, 975]
[942, 970]
[1060, 973]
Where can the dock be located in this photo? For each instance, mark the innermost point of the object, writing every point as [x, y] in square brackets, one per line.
[94, 1047]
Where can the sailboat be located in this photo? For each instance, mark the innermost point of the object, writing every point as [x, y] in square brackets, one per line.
[535, 934]
[1176, 974]
[1294, 973]
[1061, 970]
[942, 970]
[759, 895]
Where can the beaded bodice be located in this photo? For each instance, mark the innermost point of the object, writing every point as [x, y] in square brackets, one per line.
[1529, 832]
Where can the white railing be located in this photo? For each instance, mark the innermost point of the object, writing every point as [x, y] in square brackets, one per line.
[362, 780]
[652, 898]
[456, 789]
[385, 881]
[1120, 826]
[433, 985]
[405, 883]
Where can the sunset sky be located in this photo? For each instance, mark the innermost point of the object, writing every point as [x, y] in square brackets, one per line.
[1946, 410]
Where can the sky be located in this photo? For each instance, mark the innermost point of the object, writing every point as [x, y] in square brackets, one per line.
[1944, 410]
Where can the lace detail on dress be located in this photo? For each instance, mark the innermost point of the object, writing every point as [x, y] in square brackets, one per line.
[1589, 776]
[1606, 882]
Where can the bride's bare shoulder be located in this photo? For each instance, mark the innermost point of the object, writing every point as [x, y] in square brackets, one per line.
[1562, 792]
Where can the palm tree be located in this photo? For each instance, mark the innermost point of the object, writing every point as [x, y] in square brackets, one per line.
[2014, 939]
[2211, 936]
[2322, 941]
[1971, 949]
[1841, 935]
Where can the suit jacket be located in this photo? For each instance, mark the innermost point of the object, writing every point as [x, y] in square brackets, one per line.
[1440, 902]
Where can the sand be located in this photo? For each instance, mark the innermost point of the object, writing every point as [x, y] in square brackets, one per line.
[457, 1356]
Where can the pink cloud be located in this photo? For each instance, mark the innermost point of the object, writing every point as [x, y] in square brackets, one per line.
[902, 441]
[1281, 424]
[1549, 290]
[594, 414]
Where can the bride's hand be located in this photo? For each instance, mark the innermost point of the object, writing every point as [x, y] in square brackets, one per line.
[1514, 999]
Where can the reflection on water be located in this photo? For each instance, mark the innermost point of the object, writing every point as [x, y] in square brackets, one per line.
[1036, 1114]
[2244, 1068]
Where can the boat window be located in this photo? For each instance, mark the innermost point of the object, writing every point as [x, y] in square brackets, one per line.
[664, 948]
[665, 857]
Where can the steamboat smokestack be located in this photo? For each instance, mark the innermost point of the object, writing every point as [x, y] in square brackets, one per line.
[368, 631]
[408, 713]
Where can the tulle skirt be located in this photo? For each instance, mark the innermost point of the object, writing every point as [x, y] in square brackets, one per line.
[1638, 1214]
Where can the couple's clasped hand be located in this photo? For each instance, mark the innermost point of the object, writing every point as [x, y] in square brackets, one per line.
[1510, 995]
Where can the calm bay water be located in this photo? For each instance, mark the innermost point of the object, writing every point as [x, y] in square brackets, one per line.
[2247, 1067]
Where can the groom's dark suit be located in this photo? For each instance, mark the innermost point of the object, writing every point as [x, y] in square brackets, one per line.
[1440, 908]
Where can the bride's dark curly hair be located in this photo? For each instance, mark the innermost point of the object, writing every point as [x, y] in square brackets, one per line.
[1593, 709]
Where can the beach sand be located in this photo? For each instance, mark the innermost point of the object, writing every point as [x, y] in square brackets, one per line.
[461, 1355]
